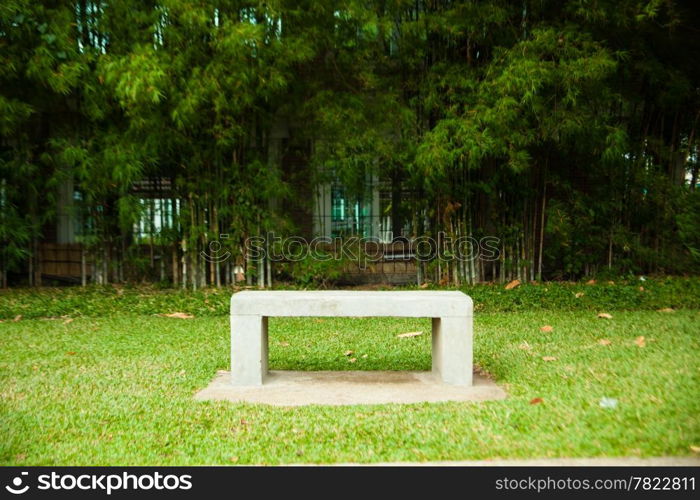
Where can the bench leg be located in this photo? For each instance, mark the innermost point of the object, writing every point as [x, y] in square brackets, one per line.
[248, 349]
[452, 349]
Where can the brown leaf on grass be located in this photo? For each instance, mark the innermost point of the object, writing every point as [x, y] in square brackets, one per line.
[348, 352]
[641, 288]
[578, 295]
[546, 328]
[17, 318]
[71, 353]
[536, 401]
[667, 310]
[512, 284]
[640, 341]
[178, 315]
[352, 360]
[604, 342]
[524, 346]
[695, 449]
[408, 334]
[68, 320]
[284, 344]
[233, 459]
[590, 282]
[605, 316]
[548, 358]
[425, 285]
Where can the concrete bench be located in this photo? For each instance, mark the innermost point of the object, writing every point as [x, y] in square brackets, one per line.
[451, 313]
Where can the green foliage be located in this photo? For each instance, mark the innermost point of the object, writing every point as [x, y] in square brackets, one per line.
[688, 220]
[632, 294]
[95, 301]
[15, 233]
[315, 272]
[490, 112]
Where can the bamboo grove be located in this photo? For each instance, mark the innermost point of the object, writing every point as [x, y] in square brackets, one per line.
[566, 128]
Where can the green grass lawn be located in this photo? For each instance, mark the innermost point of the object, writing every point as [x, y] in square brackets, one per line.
[118, 390]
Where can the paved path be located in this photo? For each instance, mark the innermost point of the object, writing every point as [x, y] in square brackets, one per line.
[575, 462]
[292, 388]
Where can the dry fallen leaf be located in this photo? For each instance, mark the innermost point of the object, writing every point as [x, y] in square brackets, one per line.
[71, 353]
[18, 317]
[548, 358]
[605, 316]
[695, 449]
[590, 282]
[178, 315]
[641, 288]
[667, 310]
[604, 342]
[348, 352]
[409, 334]
[233, 459]
[284, 344]
[546, 328]
[640, 341]
[579, 295]
[364, 356]
[536, 401]
[352, 360]
[425, 285]
[525, 346]
[68, 321]
[512, 284]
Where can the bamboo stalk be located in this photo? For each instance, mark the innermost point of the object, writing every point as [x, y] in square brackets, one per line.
[541, 242]
[83, 266]
[173, 251]
[184, 262]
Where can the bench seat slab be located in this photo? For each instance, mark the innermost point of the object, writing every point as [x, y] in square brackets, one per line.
[451, 314]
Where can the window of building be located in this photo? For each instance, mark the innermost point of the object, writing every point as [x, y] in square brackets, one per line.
[157, 215]
[350, 216]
